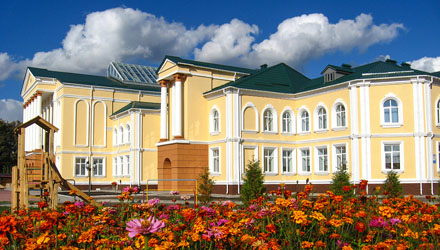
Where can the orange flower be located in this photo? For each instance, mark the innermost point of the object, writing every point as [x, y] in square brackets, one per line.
[271, 228]
[363, 184]
[188, 214]
[334, 236]
[299, 217]
[308, 188]
[306, 245]
[360, 227]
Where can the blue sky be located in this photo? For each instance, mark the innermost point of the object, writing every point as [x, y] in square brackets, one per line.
[84, 36]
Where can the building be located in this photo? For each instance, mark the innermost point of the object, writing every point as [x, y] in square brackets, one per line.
[371, 119]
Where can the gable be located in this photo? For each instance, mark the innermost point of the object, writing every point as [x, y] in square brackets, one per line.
[29, 79]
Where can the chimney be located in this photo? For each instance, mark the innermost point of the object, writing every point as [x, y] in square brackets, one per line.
[391, 61]
[264, 66]
[406, 65]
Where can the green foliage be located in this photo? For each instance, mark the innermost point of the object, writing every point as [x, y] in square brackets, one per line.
[8, 146]
[253, 183]
[392, 187]
[204, 188]
[341, 183]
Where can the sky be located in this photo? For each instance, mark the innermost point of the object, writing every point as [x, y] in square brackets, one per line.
[84, 36]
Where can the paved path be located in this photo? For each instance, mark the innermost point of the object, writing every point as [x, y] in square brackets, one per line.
[5, 195]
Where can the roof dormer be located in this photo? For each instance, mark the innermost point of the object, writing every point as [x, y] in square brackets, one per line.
[332, 72]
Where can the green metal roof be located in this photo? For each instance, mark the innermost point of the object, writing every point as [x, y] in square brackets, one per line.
[91, 80]
[283, 79]
[179, 60]
[138, 105]
[338, 68]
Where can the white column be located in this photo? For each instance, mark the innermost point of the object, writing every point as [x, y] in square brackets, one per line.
[354, 134]
[34, 131]
[178, 81]
[25, 118]
[163, 110]
[229, 139]
[38, 113]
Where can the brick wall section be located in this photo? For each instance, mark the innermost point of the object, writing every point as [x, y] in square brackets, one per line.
[186, 162]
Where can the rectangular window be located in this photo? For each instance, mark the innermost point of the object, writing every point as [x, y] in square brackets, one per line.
[120, 165]
[322, 160]
[392, 156]
[126, 169]
[287, 160]
[269, 160]
[98, 167]
[215, 154]
[305, 160]
[80, 166]
[341, 157]
[115, 166]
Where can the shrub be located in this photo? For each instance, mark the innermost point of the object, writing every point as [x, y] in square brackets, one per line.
[204, 187]
[253, 183]
[341, 183]
[392, 187]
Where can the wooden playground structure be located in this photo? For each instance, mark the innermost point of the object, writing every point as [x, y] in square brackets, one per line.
[36, 170]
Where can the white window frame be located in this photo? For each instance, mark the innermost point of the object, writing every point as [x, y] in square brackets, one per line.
[437, 112]
[127, 136]
[299, 121]
[257, 121]
[94, 167]
[334, 116]
[115, 136]
[438, 156]
[86, 173]
[126, 166]
[317, 160]
[121, 135]
[401, 152]
[274, 129]
[335, 158]
[212, 129]
[292, 122]
[391, 124]
[300, 165]
[275, 160]
[316, 118]
[211, 161]
[293, 161]
[115, 166]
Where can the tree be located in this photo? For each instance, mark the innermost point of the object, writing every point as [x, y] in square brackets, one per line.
[341, 183]
[253, 183]
[204, 188]
[8, 146]
[392, 187]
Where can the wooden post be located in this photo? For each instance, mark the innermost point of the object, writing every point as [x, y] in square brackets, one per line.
[24, 191]
[14, 189]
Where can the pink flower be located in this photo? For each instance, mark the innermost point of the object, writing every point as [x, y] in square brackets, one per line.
[141, 226]
[174, 193]
[153, 202]
[79, 204]
[126, 189]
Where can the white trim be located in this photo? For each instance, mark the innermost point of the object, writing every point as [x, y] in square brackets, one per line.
[299, 120]
[275, 160]
[104, 169]
[293, 160]
[334, 120]
[401, 152]
[257, 123]
[292, 128]
[437, 112]
[74, 166]
[300, 166]
[244, 164]
[297, 142]
[316, 160]
[212, 131]
[105, 123]
[391, 96]
[128, 131]
[75, 121]
[211, 161]
[274, 119]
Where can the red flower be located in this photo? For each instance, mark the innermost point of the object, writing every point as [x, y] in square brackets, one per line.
[360, 227]
[271, 228]
[363, 184]
[42, 204]
[346, 188]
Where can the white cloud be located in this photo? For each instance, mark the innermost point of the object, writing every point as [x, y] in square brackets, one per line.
[428, 64]
[11, 110]
[125, 34]
[382, 58]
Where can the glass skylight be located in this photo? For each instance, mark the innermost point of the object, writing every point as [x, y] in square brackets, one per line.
[132, 72]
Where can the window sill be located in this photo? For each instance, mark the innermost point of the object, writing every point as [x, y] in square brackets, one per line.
[305, 174]
[270, 132]
[98, 176]
[385, 171]
[392, 125]
[214, 174]
[288, 174]
[81, 176]
[322, 173]
[270, 174]
[304, 133]
[288, 133]
[339, 128]
[320, 131]
[81, 146]
[250, 131]
[214, 133]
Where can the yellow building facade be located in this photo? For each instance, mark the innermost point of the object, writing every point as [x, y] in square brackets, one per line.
[369, 119]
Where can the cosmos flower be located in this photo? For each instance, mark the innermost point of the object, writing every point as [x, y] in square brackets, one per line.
[141, 226]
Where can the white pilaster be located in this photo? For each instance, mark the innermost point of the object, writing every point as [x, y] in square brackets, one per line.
[38, 129]
[354, 134]
[163, 111]
[229, 145]
[178, 82]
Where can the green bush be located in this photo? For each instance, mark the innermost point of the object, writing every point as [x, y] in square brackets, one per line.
[204, 187]
[253, 183]
[392, 187]
[341, 183]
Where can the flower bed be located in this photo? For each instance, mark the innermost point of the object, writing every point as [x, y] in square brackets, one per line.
[281, 220]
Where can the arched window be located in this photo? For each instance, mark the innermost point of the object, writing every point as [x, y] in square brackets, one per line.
[390, 111]
[322, 118]
[127, 134]
[340, 116]
[115, 136]
[215, 121]
[121, 135]
[268, 120]
[438, 112]
[305, 127]
[287, 122]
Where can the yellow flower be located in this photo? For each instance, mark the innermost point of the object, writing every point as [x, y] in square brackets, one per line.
[299, 217]
[318, 216]
[43, 239]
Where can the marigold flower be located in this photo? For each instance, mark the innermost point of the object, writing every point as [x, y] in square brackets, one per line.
[306, 245]
[141, 226]
[360, 227]
[271, 228]
[299, 217]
